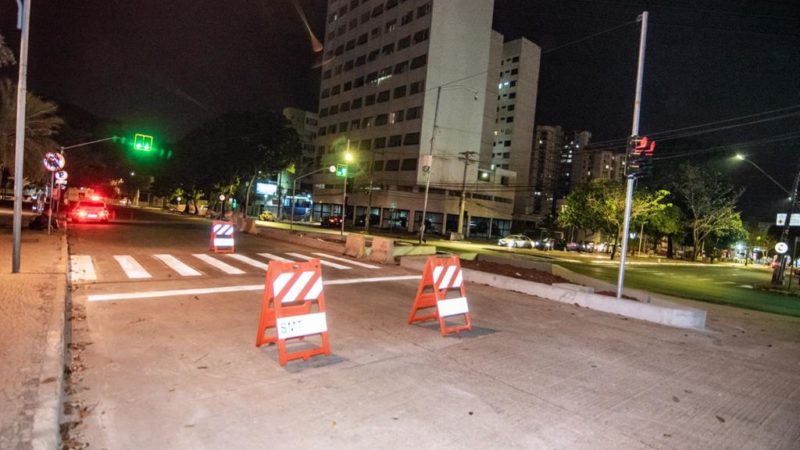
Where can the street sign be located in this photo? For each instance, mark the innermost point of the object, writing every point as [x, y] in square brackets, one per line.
[794, 221]
[61, 175]
[53, 161]
[781, 247]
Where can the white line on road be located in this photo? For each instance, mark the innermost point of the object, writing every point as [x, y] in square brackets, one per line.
[355, 263]
[81, 268]
[131, 267]
[247, 260]
[321, 261]
[242, 288]
[227, 268]
[274, 257]
[177, 265]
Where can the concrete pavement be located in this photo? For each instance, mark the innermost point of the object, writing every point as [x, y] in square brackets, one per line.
[32, 309]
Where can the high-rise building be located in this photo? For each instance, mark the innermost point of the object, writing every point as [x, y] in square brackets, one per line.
[548, 142]
[409, 89]
[514, 129]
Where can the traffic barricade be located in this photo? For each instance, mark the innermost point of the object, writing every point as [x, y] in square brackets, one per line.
[293, 308]
[222, 237]
[442, 287]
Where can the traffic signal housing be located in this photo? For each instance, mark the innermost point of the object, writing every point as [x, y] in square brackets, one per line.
[341, 170]
[143, 142]
[640, 155]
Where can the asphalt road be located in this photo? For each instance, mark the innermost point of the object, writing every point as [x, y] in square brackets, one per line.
[157, 366]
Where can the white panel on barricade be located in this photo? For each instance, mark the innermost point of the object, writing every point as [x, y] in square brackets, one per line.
[452, 307]
[303, 325]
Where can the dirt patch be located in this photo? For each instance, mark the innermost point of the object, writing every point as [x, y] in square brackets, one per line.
[513, 271]
[523, 273]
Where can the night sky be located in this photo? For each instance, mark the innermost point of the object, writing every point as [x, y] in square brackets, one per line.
[170, 65]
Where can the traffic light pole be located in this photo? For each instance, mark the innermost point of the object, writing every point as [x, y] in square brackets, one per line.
[780, 270]
[631, 178]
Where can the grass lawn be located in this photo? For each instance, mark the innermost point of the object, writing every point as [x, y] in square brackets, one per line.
[723, 284]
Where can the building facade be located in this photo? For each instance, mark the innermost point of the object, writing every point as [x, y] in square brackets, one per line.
[407, 91]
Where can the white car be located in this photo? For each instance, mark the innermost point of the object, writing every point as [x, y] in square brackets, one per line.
[516, 241]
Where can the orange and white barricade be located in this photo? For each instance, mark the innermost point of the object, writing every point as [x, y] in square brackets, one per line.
[442, 287]
[221, 237]
[294, 305]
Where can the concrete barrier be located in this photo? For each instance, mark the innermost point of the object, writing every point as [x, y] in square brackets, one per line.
[413, 250]
[249, 226]
[355, 246]
[659, 311]
[308, 240]
[382, 250]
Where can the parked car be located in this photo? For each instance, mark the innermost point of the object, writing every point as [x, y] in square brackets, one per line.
[331, 221]
[516, 241]
[267, 216]
[552, 244]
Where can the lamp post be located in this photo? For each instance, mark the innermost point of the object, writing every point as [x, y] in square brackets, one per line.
[23, 23]
[778, 274]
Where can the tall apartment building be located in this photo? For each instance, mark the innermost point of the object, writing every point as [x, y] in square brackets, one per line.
[548, 142]
[514, 129]
[409, 85]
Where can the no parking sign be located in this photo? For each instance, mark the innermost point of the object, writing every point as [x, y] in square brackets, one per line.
[54, 161]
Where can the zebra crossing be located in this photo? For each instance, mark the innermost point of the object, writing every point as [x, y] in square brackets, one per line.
[88, 268]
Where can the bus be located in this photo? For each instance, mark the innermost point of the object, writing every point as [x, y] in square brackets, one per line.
[302, 206]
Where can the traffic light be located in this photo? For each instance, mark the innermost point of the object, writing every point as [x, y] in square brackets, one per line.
[341, 170]
[143, 142]
[640, 155]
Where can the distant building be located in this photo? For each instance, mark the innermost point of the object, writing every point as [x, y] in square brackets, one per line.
[514, 129]
[306, 125]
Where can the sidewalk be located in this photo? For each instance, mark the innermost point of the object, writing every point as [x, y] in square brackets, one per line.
[32, 314]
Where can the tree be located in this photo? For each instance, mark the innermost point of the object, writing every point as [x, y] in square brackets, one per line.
[725, 236]
[6, 55]
[216, 156]
[41, 125]
[708, 202]
[600, 206]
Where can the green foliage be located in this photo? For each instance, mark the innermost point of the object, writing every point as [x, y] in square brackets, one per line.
[41, 126]
[6, 55]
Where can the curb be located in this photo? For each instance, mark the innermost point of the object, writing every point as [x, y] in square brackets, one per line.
[47, 416]
[664, 313]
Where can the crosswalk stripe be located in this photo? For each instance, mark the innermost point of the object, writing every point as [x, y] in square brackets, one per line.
[81, 268]
[321, 261]
[246, 260]
[177, 265]
[274, 257]
[227, 268]
[131, 267]
[355, 263]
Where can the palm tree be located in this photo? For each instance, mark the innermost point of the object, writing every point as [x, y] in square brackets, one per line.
[41, 125]
[6, 55]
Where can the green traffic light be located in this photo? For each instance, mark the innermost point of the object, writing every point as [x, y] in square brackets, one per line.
[142, 142]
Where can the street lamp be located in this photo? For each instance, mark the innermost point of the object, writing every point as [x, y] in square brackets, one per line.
[294, 190]
[742, 157]
[778, 273]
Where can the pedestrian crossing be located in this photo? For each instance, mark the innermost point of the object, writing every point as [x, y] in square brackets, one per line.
[88, 268]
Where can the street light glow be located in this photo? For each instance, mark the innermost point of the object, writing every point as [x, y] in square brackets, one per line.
[348, 157]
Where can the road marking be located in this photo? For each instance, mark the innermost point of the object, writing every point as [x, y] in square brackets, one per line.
[177, 265]
[246, 260]
[227, 268]
[81, 268]
[131, 267]
[321, 261]
[274, 257]
[355, 263]
[242, 288]
[746, 286]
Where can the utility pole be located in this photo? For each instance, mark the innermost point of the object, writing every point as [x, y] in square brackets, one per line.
[427, 167]
[779, 272]
[631, 178]
[467, 157]
[23, 22]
